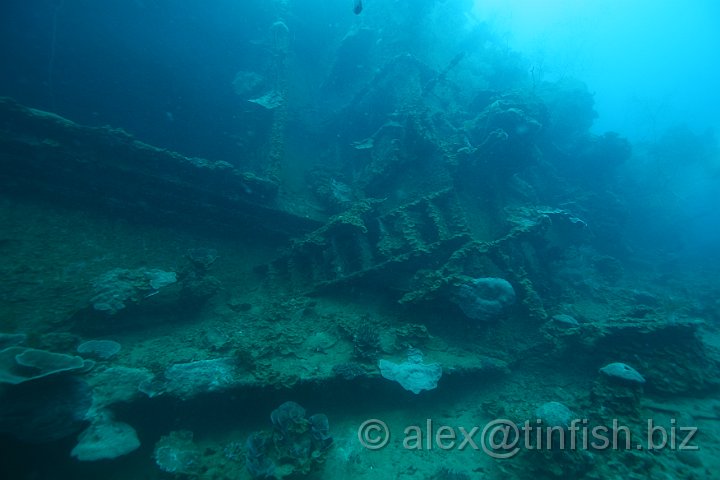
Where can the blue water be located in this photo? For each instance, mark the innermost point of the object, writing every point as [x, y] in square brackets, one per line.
[514, 192]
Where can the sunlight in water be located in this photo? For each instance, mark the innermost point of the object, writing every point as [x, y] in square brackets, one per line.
[624, 51]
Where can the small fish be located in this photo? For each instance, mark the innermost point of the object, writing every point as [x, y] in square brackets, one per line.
[357, 6]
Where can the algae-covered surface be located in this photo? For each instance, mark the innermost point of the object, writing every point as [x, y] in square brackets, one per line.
[273, 344]
[364, 248]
